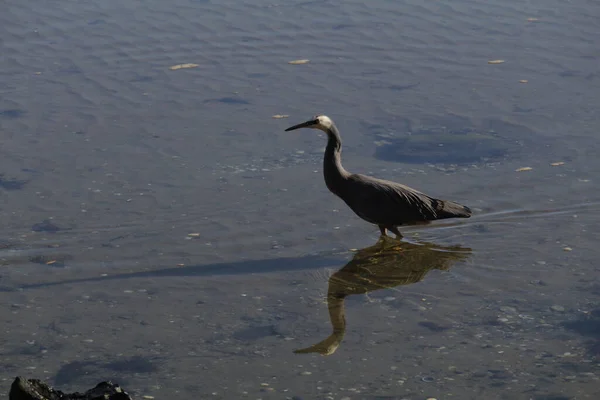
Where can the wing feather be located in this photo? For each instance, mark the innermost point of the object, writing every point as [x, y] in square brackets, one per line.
[388, 203]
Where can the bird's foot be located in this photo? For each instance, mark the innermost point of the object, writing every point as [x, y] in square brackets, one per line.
[396, 232]
[393, 229]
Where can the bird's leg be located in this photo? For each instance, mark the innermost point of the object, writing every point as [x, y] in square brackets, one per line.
[382, 230]
[395, 231]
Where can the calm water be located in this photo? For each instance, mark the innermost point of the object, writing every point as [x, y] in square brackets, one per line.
[110, 160]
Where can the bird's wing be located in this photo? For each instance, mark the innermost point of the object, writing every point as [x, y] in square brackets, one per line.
[385, 202]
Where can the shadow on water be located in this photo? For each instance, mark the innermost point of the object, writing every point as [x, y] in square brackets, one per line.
[75, 370]
[216, 269]
[313, 261]
[387, 264]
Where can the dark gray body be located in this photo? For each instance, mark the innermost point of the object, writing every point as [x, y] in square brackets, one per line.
[389, 204]
[380, 202]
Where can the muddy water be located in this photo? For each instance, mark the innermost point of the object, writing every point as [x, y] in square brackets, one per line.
[110, 160]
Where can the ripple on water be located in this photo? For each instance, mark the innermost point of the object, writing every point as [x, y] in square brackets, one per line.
[451, 139]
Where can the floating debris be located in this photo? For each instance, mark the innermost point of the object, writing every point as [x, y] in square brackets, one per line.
[56, 261]
[532, 19]
[557, 308]
[194, 235]
[556, 164]
[523, 169]
[183, 66]
[297, 62]
[279, 116]
[567, 249]
[496, 62]
[523, 81]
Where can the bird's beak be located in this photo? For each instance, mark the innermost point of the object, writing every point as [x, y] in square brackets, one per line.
[303, 125]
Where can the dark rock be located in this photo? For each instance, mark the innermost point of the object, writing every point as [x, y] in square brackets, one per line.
[11, 183]
[34, 389]
[432, 326]
[11, 113]
[228, 100]
[45, 226]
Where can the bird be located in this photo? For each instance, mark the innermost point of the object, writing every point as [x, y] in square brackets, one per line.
[380, 202]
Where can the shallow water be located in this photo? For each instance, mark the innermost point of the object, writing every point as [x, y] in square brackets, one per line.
[110, 160]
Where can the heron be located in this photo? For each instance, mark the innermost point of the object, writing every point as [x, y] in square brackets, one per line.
[384, 203]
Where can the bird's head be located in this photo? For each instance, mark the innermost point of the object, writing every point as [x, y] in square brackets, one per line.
[321, 122]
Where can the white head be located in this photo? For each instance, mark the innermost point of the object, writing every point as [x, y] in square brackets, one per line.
[321, 122]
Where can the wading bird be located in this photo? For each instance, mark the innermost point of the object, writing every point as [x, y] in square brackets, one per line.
[383, 203]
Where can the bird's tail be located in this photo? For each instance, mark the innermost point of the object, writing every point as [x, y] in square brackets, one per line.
[451, 209]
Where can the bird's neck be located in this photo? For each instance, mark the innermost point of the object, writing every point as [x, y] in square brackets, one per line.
[338, 321]
[337, 314]
[333, 170]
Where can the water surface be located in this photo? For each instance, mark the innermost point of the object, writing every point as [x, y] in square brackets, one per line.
[110, 160]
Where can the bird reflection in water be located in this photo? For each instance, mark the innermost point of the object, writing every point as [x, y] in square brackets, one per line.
[387, 264]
